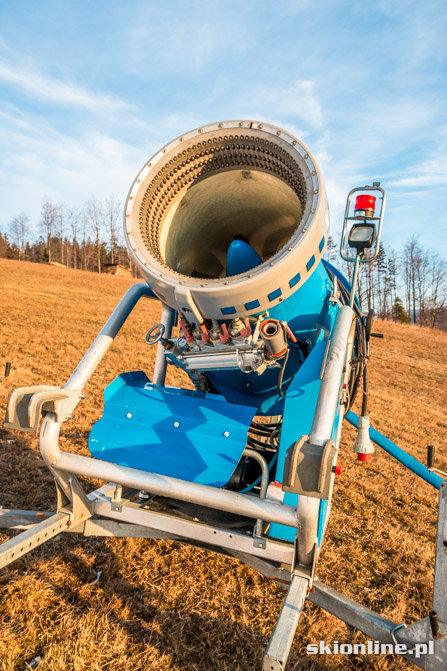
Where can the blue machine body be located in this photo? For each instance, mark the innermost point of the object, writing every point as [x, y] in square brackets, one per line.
[310, 316]
[200, 437]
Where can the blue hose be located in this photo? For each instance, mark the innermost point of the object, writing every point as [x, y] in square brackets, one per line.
[403, 457]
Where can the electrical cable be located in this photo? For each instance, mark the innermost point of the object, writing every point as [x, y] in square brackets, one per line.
[281, 393]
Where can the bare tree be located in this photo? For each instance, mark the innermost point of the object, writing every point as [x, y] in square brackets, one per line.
[95, 219]
[411, 259]
[73, 217]
[19, 230]
[60, 227]
[112, 208]
[49, 222]
[437, 294]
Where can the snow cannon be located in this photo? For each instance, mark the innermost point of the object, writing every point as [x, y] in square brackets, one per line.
[228, 225]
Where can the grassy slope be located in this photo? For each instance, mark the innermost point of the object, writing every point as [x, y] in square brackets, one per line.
[160, 605]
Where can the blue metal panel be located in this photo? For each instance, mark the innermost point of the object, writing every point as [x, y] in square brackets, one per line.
[301, 401]
[178, 432]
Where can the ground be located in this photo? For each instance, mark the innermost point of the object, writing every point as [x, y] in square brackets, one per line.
[133, 605]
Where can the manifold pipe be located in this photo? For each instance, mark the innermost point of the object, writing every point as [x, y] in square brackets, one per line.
[167, 319]
[308, 507]
[264, 480]
[160, 485]
[104, 339]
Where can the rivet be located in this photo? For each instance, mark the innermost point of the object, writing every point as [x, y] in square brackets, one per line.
[129, 415]
[176, 424]
[226, 434]
[220, 125]
[316, 191]
[313, 211]
[294, 143]
[241, 123]
[306, 155]
[278, 132]
[314, 172]
[261, 125]
[200, 130]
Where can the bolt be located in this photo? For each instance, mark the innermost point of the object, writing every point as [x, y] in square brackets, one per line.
[129, 415]
[176, 424]
[226, 434]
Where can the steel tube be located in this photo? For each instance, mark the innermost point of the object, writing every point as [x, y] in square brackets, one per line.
[403, 457]
[104, 339]
[167, 319]
[163, 485]
[330, 385]
[264, 480]
[322, 425]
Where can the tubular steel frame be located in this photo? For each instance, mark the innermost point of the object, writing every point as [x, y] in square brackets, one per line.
[109, 511]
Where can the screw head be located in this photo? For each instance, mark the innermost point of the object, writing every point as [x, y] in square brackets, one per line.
[226, 434]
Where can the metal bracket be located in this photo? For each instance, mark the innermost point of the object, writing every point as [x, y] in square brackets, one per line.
[26, 404]
[259, 542]
[309, 571]
[335, 294]
[308, 468]
[117, 499]
[81, 508]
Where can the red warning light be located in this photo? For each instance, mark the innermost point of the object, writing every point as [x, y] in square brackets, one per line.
[364, 205]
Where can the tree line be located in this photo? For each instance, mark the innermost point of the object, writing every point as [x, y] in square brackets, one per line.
[410, 286]
[84, 238]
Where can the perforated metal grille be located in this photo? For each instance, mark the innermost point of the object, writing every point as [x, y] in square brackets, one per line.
[203, 159]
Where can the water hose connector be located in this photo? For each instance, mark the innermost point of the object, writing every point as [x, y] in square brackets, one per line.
[363, 445]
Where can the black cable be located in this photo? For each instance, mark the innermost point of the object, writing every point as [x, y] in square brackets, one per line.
[261, 432]
[263, 425]
[281, 374]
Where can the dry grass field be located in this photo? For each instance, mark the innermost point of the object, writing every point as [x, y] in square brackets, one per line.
[162, 606]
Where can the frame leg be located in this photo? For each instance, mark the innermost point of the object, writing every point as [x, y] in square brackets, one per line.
[278, 649]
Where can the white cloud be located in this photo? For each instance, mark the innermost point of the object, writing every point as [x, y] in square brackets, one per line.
[50, 90]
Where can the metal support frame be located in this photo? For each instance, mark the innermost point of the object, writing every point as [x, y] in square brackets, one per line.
[109, 512]
[425, 648]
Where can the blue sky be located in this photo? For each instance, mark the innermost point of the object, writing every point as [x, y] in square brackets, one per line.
[89, 90]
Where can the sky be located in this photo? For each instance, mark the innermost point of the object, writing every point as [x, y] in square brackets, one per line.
[90, 90]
